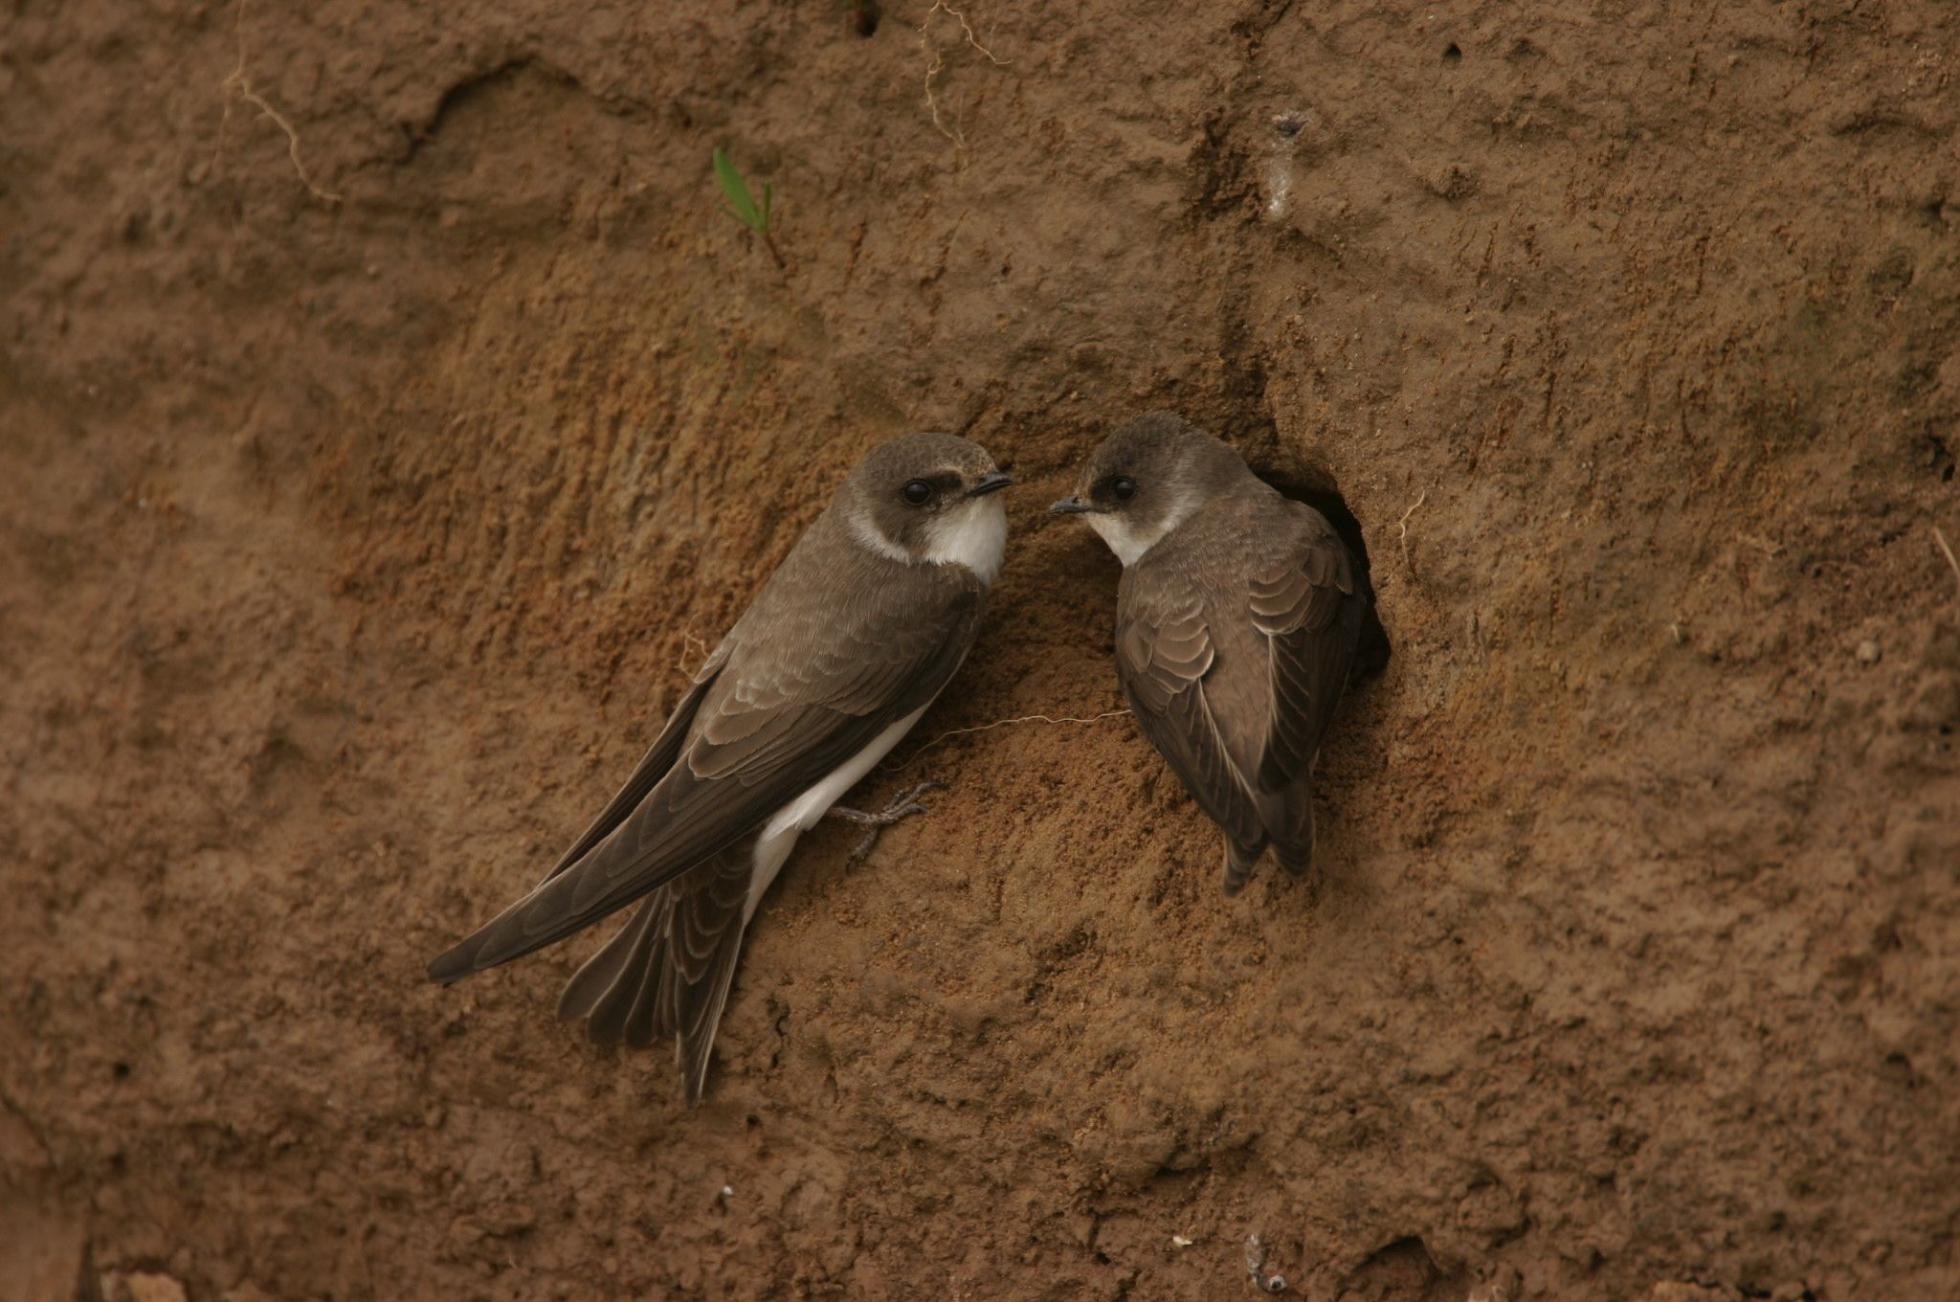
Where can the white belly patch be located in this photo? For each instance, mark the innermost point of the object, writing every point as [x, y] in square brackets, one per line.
[801, 814]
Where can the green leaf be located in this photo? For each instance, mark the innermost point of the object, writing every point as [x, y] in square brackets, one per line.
[740, 201]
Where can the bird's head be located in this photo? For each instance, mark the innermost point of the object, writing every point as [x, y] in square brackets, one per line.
[1147, 478]
[929, 499]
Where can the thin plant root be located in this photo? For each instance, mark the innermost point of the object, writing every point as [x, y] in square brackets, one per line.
[1002, 723]
[695, 651]
[239, 86]
[1402, 530]
[937, 65]
[1940, 538]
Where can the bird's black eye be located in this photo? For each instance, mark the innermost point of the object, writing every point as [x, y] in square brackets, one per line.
[1123, 487]
[917, 491]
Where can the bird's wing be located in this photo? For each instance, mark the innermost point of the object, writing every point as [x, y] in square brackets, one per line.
[1298, 585]
[652, 767]
[782, 714]
[1164, 650]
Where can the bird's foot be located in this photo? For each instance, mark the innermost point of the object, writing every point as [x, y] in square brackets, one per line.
[903, 807]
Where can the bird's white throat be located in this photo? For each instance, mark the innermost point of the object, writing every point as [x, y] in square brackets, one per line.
[973, 535]
[1130, 543]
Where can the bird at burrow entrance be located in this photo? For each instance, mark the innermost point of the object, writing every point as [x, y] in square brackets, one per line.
[846, 645]
[1238, 619]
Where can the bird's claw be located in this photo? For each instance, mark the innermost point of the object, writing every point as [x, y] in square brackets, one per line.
[902, 807]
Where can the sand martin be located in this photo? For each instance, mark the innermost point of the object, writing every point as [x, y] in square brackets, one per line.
[840, 653]
[1237, 619]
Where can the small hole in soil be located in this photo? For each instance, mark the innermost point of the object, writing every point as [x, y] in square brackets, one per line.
[1939, 458]
[1451, 54]
[120, 1071]
[864, 17]
[1371, 657]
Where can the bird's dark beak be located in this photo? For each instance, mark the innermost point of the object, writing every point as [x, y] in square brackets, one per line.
[1070, 506]
[992, 482]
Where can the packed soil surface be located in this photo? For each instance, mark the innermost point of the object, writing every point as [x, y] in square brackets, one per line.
[391, 415]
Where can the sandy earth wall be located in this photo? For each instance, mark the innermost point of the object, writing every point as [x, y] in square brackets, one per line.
[389, 418]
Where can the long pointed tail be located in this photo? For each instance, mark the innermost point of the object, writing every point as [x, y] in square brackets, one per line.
[1293, 845]
[669, 970]
[1240, 859]
[617, 985]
